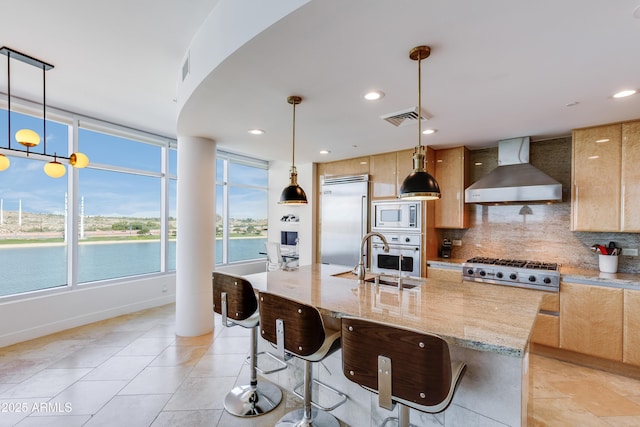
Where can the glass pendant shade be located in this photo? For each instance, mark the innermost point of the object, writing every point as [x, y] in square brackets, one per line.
[27, 137]
[55, 169]
[79, 160]
[4, 162]
[293, 194]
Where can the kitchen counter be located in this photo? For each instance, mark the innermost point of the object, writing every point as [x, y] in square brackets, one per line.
[467, 314]
[567, 274]
[487, 326]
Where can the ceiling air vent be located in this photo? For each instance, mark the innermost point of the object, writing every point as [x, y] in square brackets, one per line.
[186, 67]
[406, 117]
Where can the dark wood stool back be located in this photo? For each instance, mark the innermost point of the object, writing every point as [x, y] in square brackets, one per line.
[421, 366]
[241, 298]
[305, 333]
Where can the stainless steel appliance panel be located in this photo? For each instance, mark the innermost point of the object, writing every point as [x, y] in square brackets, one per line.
[396, 215]
[344, 214]
[404, 256]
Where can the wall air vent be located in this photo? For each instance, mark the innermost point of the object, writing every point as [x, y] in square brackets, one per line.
[406, 117]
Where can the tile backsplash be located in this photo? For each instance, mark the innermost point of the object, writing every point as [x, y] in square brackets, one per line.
[543, 233]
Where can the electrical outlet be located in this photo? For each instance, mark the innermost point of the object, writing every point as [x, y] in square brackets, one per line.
[629, 252]
[456, 242]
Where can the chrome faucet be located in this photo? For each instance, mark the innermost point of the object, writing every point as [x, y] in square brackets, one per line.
[360, 268]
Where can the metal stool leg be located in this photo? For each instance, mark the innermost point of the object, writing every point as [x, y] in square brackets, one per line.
[308, 416]
[257, 398]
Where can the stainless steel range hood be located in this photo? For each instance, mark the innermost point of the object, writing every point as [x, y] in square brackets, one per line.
[515, 180]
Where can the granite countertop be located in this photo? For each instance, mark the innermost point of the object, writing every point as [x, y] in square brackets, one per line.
[467, 314]
[567, 274]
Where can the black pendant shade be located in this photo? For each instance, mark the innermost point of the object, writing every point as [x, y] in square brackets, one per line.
[420, 185]
[293, 194]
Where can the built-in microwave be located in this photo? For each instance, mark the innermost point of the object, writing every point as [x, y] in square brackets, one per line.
[396, 215]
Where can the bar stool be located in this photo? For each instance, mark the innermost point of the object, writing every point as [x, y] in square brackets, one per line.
[412, 369]
[299, 330]
[235, 300]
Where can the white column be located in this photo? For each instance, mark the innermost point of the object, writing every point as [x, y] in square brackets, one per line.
[195, 246]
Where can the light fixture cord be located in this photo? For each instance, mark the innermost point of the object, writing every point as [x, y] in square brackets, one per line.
[44, 110]
[293, 151]
[9, 99]
[419, 104]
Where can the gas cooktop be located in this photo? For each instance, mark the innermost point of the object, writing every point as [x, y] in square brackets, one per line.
[513, 272]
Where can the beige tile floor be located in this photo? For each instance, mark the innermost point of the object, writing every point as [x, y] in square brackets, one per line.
[133, 371]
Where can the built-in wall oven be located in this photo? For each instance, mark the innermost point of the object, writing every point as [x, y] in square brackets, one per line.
[400, 222]
[403, 256]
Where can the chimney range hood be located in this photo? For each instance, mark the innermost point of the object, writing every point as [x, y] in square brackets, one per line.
[515, 180]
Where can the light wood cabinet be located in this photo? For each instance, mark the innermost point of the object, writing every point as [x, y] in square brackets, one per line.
[631, 346]
[605, 195]
[546, 330]
[453, 176]
[384, 179]
[445, 274]
[388, 171]
[630, 176]
[591, 320]
[355, 166]
[404, 165]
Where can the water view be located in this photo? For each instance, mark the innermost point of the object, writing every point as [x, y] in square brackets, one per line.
[29, 267]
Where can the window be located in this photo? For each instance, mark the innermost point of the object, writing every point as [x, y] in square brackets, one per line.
[33, 248]
[241, 208]
[125, 226]
[120, 219]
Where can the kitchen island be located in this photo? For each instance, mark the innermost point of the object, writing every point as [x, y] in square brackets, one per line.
[487, 327]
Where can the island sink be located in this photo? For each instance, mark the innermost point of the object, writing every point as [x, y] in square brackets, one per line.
[398, 282]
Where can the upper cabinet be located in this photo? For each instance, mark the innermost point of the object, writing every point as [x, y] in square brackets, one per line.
[388, 171]
[630, 176]
[354, 166]
[605, 160]
[383, 176]
[452, 174]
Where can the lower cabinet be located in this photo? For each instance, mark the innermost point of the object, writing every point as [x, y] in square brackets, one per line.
[631, 347]
[451, 275]
[591, 319]
[546, 331]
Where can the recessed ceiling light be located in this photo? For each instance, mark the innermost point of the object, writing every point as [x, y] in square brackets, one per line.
[624, 93]
[429, 131]
[324, 151]
[478, 164]
[374, 95]
[256, 131]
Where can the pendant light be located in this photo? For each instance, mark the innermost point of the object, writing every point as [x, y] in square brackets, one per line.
[293, 194]
[27, 137]
[420, 184]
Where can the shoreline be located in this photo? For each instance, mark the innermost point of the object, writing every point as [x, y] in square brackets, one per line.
[99, 242]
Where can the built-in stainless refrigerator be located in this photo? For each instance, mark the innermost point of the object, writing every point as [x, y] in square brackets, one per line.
[344, 218]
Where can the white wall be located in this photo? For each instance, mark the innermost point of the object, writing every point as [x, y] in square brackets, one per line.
[29, 318]
[278, 180]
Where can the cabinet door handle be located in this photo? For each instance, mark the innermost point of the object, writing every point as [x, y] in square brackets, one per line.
[622, 224]
[575, 209]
